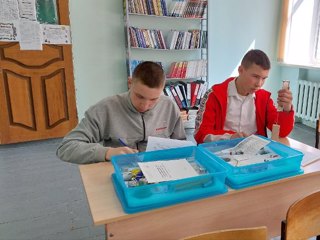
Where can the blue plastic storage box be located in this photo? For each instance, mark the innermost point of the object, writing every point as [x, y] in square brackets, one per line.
[210, 182]
[249, 175]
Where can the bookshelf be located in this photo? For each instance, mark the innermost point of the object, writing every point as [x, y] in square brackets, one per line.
[174, 34]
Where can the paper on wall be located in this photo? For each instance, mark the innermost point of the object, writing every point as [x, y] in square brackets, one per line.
[30, 36]
[9, 32]
[56, 34]
[27, 10]
[9, 10]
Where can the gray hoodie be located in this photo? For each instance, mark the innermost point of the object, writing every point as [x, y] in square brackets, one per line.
[115, 118]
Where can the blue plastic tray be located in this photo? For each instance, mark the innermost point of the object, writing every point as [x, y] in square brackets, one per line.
[250, 175]
[145, 197]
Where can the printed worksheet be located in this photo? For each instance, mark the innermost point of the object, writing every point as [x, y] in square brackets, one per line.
[250, 145]
[251, 150]
[160, 171]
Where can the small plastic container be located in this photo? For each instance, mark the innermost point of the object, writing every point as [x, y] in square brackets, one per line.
[244, 176]
[210, 182]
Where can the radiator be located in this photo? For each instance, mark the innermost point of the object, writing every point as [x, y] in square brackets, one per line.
[308, 103]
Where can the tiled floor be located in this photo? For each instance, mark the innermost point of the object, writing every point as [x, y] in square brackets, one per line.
[42, 197]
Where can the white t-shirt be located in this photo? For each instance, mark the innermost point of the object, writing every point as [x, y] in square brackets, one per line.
[241, 113]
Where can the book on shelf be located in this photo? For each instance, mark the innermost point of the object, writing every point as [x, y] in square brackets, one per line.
[204, 39]
[133, 40]
[148, 7]
[176, 97]
[202, 91]
[156, 7]
[146, 38]
[188, 8]
[187, 91]
[181, 96]
[188, 69]
[164, 7]
[167, 92]
[187, 95]
[177, 8]
[191, 39]
[184, 94]
[194, 91]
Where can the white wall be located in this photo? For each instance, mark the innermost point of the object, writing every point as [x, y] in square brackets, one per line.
[98, 49]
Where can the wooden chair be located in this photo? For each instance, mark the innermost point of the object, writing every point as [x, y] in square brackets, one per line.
[303, 219]
[257, 233]
[317, 145]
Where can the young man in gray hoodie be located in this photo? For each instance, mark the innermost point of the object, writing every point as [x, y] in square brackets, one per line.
[122, 123]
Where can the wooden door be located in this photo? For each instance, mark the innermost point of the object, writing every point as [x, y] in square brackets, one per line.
[37, 93]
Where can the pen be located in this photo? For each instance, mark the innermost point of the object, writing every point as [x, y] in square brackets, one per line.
[122, 142]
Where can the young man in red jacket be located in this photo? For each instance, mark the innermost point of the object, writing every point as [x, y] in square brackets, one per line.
[238, 107]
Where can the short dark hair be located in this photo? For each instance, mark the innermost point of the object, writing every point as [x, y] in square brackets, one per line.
[257, 57]
[150, 74]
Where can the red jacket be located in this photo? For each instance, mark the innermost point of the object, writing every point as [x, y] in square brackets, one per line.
[213, 110]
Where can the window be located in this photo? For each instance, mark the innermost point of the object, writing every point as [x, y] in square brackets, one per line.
[300, 33]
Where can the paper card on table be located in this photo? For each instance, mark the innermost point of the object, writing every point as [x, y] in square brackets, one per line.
[157, 143]
[309, 157]
[160, 171]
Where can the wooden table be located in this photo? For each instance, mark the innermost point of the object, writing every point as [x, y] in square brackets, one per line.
[263, 205]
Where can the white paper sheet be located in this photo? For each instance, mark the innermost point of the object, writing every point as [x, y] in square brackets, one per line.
[27, 10]
[156, 143]
[56, 34]
[30, 36]
[9, 10]
[309, 157]
[160, 171]
[9, 32]
[250, 145]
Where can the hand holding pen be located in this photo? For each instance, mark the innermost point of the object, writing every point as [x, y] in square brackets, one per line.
[119, 150]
